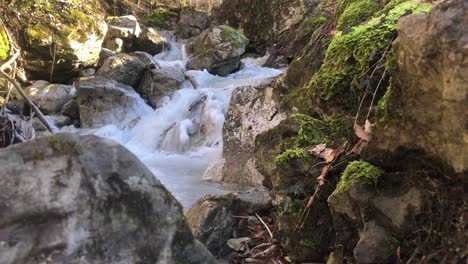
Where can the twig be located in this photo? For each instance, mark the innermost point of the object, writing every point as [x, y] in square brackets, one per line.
[375, 92]
[52, 129]
[265, 225]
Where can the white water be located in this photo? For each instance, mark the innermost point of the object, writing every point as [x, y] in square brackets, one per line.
[179, 140]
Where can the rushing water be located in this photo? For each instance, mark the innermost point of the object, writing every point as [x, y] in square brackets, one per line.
[178, 140]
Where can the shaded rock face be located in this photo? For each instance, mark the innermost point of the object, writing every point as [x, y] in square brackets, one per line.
[212, 222]
[103, 101]
[50, 98]
[265, 23]
[251, 112]
[192, 23]
[158, 83]
[368, 222]
[428, 97]
[94, 202]
[217, 50]
[123, 68]
[125, 34]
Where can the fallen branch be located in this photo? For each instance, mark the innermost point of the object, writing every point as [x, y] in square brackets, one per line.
[265, 225]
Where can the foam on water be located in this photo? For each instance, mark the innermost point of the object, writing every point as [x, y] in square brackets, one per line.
[178, 140]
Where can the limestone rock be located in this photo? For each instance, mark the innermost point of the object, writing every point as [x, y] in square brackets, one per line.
[50, 98]
[158, 83]
[251, 112]
[94, 202]
[430, 88]
[70, 109]
[103, 101]
[375, 246]
[144, 57]
[123, 30]
[192, 23]
[217, 50]
[123, 68]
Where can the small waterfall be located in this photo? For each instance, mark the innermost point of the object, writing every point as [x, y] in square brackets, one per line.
[181, 138]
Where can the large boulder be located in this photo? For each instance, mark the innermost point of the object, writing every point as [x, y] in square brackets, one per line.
[50, 98]
[217, 50]
[158, 83]
[427, 104]
[83, 199]
[58, 38]
[103, 101]
[125, 34]
[252, 111]
[192, 23]
[123, 68]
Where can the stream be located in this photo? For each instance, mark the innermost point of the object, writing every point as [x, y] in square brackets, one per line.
[181, 138]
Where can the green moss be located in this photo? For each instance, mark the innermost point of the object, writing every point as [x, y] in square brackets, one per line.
[359, 171]
[311, 132]
[4, 43]
[345, 75]
[161, 18]
[237, 39]
[357, 12]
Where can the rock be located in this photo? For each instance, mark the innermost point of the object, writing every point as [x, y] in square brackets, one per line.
[125, 34]
[121, 34]
[144, 57]
[251, 112]
[50, 98]
[192, 23]
[94, 202]
[58, 120]
[56, 46]
[428, 95]
[103, 55]
[87, 72]
[276, 62]
[238, 244]
[217, 50]
[211, 221]
[103, 101]
[123, 68]
[158, 83]
[214, 172]
[375, 246]
[70, 109]
[265, 23]
[151, 41]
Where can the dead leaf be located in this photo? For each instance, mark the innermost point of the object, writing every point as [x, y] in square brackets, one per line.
[259, 234]
[361, 133]
[368, 127]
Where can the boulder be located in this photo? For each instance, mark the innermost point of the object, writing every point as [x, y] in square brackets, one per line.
[144, 57]
[122, 32]
[212, 222]
[192, 23]
[265, 23]
[103, 101]
[94, 202]
[57, 120]
[56, 44]
[70, 109]
[125, 34]
[50, 98]
[103, 55]
[426, 104]
[217, 50]
[151, 41]
[158, 83]
[123, 68]
[251, 112]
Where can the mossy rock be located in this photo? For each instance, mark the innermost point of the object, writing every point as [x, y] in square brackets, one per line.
[162, 18]
[359, 171]
[235, 37]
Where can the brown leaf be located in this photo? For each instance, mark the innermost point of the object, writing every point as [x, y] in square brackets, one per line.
[368, 127]
[259, 234]
[361, 133]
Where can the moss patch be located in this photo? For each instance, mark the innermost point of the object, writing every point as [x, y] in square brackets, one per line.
[311, 132]
[356, 12]
[161, 18]
[359, 171]
[237, 39]
[4, 44]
